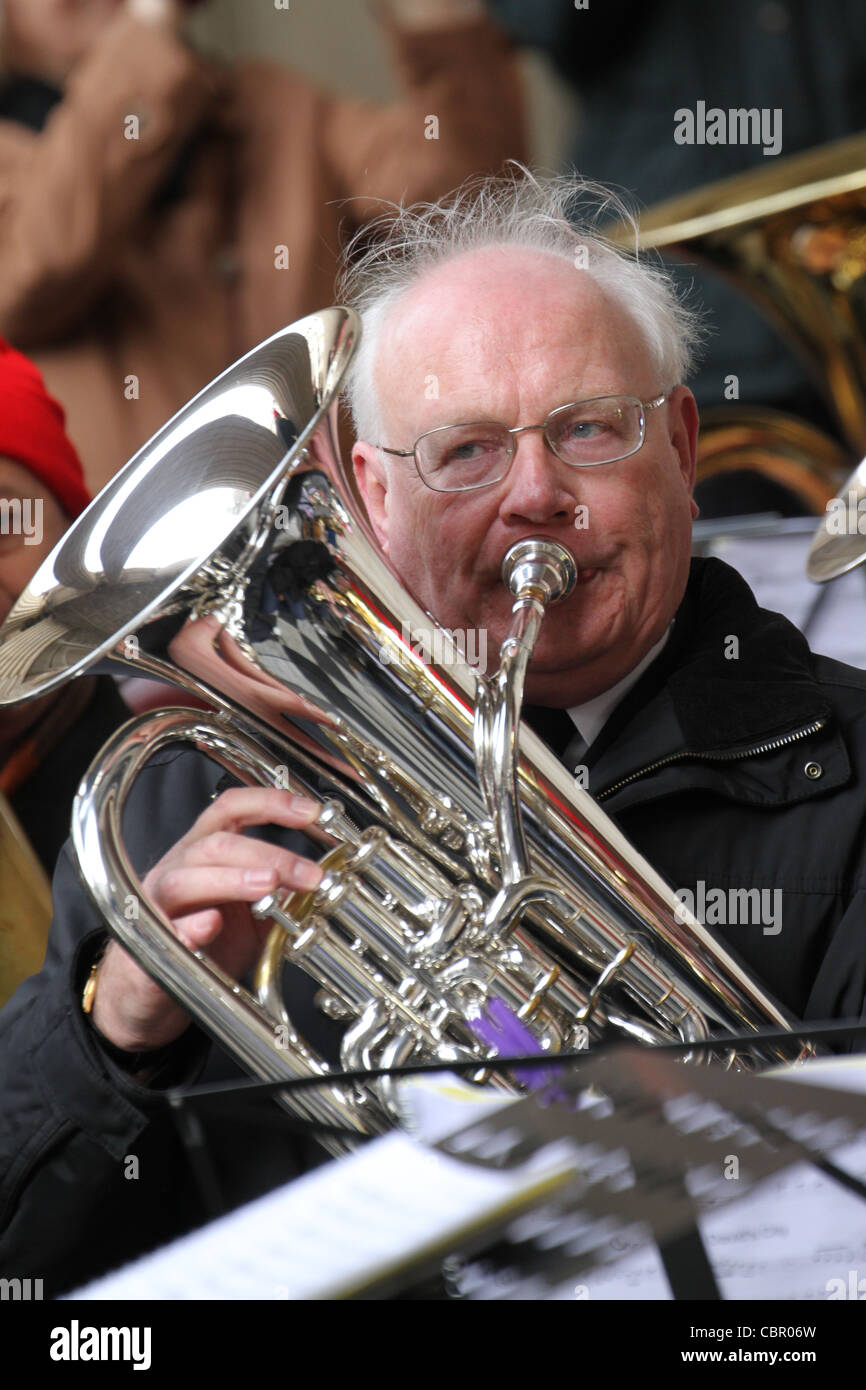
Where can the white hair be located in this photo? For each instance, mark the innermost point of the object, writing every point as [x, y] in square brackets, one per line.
[559, 214]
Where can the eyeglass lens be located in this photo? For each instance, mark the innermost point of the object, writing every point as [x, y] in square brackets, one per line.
[590, 432]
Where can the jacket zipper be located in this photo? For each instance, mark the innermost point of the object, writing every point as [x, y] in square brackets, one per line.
[813, 728]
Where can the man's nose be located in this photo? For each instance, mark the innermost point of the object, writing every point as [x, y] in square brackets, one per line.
[538, 487]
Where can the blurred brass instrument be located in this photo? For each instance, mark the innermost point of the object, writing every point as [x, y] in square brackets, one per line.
[792, 236]
[475, 898]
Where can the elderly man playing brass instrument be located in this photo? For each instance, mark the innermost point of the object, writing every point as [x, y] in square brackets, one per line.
[726, 751]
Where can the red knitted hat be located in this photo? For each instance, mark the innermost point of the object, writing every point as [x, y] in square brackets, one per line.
[32, 431]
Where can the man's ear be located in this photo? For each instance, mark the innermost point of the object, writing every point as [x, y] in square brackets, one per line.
[373, 486]
[684, 423]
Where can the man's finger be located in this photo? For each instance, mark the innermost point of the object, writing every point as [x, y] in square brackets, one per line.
[184, 890]
[243, 807]
[225, 849]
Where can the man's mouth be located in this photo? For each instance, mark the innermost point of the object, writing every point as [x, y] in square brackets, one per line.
[586, 576]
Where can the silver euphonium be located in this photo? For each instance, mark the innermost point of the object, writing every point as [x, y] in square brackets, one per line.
[474, 896]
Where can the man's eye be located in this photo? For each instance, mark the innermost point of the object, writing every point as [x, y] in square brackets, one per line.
[586, 429]
[469, 451]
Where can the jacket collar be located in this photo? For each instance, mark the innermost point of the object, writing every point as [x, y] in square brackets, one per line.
[732, 679]
[739, 674]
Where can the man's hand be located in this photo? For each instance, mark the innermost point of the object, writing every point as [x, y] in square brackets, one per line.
[205, 885]
[165, 12]
[49, 38]
[431, 14]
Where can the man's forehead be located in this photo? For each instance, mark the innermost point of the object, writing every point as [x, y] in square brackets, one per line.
[487, 288]
[497, 316]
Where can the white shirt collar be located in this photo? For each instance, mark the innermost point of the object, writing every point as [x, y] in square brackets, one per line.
[592, 716]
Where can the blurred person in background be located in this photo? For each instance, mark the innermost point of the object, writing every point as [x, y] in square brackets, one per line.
[162, 213]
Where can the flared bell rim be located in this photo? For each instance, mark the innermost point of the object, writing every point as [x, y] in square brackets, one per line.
[56, 631]
[839, 545]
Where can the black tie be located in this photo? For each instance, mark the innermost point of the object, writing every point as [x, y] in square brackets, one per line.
[555, 726]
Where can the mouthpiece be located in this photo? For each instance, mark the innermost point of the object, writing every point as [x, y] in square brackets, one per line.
[544, 568]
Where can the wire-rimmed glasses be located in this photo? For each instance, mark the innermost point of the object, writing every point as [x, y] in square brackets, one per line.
[461, 458]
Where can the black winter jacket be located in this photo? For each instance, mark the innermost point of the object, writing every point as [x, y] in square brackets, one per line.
[738, 761]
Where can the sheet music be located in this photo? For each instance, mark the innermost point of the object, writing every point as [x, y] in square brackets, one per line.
[333, 1229]
[331, 1232]
[787, 1239]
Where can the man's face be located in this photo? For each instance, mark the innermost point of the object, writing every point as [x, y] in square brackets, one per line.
[509, 335]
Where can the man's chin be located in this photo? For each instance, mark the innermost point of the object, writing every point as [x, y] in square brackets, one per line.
[567, 643]
[569, 667]
[561, 687]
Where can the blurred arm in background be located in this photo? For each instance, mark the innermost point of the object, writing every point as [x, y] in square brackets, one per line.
[71, 192]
